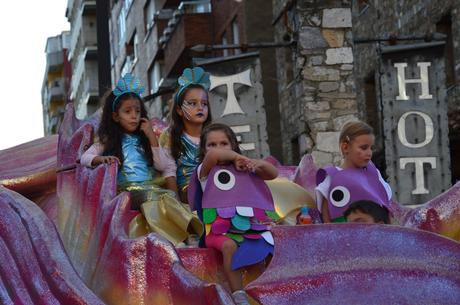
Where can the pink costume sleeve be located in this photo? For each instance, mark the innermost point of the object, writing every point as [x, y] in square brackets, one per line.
[162, 161]
[95, 150]
[169, 163]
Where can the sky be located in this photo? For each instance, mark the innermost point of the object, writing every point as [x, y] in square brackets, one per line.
[24, 28]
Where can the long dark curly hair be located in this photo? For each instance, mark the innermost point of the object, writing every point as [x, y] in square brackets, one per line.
[177, 127]
[218, 127]
[111, 133]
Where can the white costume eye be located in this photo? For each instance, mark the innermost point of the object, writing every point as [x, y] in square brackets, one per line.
[224, 180]
[339, 196]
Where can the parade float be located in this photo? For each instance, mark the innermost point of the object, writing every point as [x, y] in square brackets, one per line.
[66, 239]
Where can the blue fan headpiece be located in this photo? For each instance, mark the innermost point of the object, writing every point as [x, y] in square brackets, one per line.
[195, 76]
[127, 84]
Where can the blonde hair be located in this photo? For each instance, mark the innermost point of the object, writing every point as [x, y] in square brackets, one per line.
[354, 129]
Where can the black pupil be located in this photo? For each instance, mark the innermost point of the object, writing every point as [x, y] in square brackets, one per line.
[223, 178]
[337, 195]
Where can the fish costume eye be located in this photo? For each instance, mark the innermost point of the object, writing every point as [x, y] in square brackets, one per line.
[339, 196]
[224, 180]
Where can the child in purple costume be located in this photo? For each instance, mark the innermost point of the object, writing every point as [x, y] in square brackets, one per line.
[356, 179]
[230, 195]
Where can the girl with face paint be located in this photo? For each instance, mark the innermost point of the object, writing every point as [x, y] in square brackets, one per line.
[190, 113]
[126, 137]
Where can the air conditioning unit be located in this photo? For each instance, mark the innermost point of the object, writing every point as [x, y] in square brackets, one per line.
[168, 31]
[177, 14]
[172, 22]
[162, 40]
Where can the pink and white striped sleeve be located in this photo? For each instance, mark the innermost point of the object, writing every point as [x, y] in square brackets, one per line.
[87, 158]
[163, 161]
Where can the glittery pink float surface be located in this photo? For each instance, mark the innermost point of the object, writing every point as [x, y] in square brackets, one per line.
[359, 264]
[93, 222]
[316, 264]
[30, 168]
[34, 268]
[440, 215]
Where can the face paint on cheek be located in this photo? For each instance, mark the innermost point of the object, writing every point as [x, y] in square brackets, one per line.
[186, 111]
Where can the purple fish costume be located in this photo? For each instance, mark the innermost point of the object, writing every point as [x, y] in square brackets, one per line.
[237, 205]
[350, 185]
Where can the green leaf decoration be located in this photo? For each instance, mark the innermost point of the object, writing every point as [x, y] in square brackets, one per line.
[209, 215]
[272, 214]
[236, 237]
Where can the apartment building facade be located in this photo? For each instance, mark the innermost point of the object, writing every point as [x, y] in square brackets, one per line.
[84, 91]
[56, 82]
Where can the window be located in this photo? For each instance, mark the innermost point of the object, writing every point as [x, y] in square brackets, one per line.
[154, 80]
[236, 35]
[121, 27]
[224, 43]
[127, 5]
[154, 77]
[127, 66]
[122, 20]
[149, 13]
[136, 47]
[132, 54]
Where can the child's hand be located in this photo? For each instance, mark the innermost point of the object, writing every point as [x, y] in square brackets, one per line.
[253, 165]
[104, 159]
[241, 163]
[146, 128]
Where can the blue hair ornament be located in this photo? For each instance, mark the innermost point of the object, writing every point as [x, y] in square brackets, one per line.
[127, 84]
[195, 76]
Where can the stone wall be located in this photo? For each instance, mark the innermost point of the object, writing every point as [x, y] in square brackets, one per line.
[316, 80]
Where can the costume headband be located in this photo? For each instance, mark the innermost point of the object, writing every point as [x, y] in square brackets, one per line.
[127, 84]
[195, 76]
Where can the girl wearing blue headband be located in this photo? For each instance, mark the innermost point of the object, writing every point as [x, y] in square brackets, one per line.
[126, 136]
[190, 113]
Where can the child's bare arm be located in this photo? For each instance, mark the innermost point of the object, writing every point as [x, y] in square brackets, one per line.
[93, 156]
[325, 212]
[104, 159]
[171, 184]
[263, 169]
[215, 156]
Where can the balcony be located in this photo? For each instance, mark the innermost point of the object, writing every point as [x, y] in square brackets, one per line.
[88, 55]
[195, 7]
[55, 60]
[87, 8]
[56, 90]
[91, 86]
[190, 24]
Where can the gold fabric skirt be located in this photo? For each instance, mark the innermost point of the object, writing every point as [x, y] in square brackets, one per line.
[161, 213]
